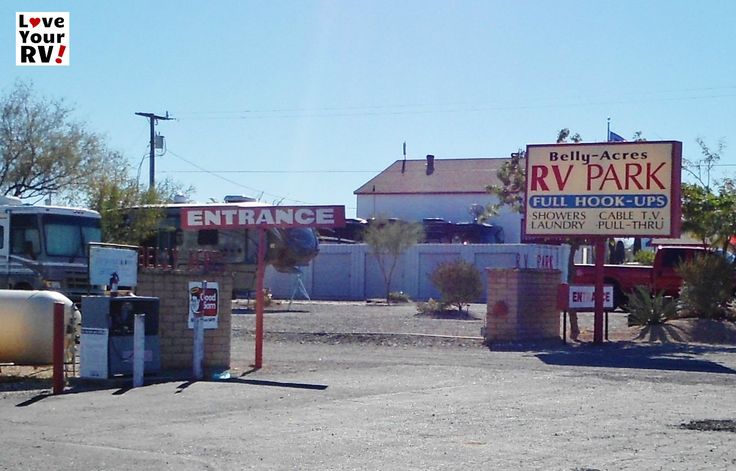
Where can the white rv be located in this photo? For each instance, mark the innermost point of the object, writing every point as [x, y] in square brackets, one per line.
[45, 247]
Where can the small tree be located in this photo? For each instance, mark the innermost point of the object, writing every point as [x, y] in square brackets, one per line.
[115, 196]
[459, 283]
[388, 240]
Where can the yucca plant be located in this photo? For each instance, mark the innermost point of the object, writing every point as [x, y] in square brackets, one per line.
[645, 309]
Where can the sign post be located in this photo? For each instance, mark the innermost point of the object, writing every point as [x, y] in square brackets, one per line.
[601, 190]
[600, 247]
[260, 269]
[260, 218]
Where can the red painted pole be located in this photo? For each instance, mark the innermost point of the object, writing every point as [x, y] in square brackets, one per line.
[600, 255]
[260, 269]
[58, 349]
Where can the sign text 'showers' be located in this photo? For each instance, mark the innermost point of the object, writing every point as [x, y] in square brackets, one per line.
[214, 217]
[604, 189]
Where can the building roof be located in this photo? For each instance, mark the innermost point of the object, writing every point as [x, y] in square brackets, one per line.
[449, 176]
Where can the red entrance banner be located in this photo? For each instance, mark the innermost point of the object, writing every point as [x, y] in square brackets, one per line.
[231, 217]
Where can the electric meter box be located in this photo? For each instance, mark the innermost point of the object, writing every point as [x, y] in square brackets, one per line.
[113, 317]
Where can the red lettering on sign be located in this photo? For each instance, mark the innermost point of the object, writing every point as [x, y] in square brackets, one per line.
[541, 172]
[600, 177]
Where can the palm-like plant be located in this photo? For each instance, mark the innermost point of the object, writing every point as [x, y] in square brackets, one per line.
[645, 309]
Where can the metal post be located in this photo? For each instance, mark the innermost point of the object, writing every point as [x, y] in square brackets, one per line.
[198, 356]
[58, 349]
[260, 269]
[600, 251]
[139, 349]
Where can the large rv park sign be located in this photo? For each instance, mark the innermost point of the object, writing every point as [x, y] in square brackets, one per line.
[602, 190]
[622, 189]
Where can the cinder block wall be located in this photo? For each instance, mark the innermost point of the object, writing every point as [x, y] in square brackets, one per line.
[177, 339]
[522, 305]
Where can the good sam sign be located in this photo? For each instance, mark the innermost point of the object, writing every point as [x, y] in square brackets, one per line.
[42, 38]
[203, 304]
[610, 189]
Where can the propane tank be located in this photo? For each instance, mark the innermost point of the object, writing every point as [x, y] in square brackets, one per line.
[27, 326]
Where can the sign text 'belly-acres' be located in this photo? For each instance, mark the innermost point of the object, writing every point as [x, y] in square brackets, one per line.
[232, 217]
[607, 189]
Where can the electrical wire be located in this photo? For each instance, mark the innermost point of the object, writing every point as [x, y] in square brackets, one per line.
[232, 182]
[458, 107]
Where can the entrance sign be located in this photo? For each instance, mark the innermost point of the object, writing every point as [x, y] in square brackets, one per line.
[610, 189]
[229, 217]
[582, 297]
[262, 218]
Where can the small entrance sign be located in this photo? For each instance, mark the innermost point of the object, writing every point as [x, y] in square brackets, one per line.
[583, 297]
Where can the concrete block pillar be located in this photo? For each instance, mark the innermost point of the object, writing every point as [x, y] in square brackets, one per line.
[522, 305]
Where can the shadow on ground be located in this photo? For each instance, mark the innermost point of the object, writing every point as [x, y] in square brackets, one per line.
[670, 357]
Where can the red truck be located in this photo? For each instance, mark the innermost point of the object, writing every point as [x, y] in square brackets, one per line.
[661, 276]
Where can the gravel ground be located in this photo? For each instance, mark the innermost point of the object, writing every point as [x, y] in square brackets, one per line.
[330, 320]
[349, 317]
[340, 390]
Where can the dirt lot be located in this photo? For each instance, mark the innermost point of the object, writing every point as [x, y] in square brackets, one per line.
[320, 317]
[350, 386]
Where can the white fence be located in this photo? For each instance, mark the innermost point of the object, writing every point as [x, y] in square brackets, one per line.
[350, 272]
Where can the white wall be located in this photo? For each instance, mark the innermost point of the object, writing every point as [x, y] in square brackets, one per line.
[350, 272]
[451, 207]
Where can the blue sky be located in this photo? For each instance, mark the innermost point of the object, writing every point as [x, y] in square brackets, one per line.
[304, 101]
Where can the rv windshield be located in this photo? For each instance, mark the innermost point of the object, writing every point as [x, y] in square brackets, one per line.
[68, 235]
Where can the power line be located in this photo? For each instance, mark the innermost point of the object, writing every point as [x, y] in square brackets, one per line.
[232, 182]
[458, 107]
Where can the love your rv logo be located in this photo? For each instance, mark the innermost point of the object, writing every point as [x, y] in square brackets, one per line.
[42, 38]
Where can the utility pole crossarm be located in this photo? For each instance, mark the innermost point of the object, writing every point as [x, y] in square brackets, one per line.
[152, 118]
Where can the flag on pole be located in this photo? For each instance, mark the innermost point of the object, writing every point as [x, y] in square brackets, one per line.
[613, 137]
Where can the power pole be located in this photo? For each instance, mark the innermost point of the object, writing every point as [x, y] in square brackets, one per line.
[152, 119]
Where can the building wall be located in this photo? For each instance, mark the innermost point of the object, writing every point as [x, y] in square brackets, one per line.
[451, 207]
[350, 271]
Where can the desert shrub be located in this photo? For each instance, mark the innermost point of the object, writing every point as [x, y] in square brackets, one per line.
[645, 257]
[398, 297]
[707, 286]
[459, 283]
[645, 309]
[431, 307]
